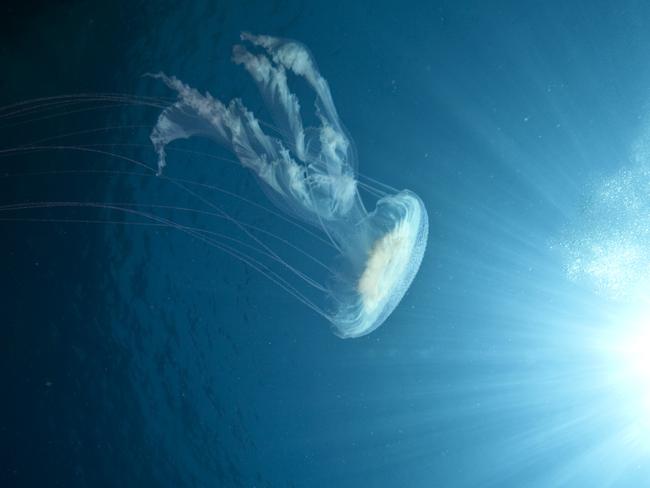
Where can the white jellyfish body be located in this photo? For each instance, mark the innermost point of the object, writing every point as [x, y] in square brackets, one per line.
[310, 173]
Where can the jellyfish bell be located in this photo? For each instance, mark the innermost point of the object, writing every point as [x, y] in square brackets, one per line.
[381, 258]
[310, 173]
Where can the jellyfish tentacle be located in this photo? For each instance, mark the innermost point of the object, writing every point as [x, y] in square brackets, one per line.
[199, 234]
[91, 149]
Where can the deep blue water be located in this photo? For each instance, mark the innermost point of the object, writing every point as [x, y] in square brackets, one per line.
[136, 355]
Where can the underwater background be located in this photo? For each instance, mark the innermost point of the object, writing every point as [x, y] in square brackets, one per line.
[136, 355]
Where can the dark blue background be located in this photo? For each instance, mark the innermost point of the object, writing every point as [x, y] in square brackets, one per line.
[138, 356]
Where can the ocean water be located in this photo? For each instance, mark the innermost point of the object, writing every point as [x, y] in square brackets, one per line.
[138, 355]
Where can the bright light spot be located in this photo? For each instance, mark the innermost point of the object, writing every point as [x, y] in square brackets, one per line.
[636, 350]
[633, 358]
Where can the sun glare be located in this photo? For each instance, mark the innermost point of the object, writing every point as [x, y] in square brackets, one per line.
[634, 355]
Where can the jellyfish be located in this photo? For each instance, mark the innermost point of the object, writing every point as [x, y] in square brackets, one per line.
[310, 174]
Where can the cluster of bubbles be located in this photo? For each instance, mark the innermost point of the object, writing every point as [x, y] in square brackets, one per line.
[609, 247]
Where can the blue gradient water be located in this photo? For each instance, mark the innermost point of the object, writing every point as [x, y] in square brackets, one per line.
[138, 356]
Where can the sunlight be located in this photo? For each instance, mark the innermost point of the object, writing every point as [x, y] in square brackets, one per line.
[634, 354]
